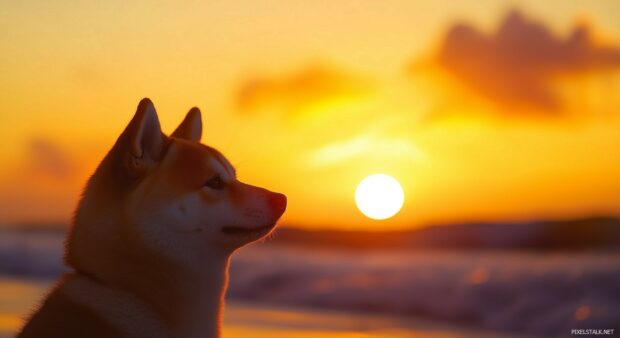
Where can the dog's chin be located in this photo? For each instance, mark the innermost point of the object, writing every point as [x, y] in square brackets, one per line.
[248, 234]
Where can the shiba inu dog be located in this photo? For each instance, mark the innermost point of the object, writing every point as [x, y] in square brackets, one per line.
[152, 237]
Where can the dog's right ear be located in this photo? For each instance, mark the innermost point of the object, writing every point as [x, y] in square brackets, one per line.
[191, 127]
[144, 142]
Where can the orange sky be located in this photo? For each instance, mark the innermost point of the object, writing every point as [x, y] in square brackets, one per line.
[483, 110]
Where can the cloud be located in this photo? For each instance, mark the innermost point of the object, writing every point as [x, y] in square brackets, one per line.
[47, 158]
[359, 147]
[90, 77]
[517, 65]
[308, 87]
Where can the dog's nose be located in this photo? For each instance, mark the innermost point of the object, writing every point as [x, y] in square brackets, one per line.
[277, 202]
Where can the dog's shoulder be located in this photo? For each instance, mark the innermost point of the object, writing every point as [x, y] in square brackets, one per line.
[81, 307]
[61, 316]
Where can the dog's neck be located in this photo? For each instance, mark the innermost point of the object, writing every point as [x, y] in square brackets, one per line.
[198, 297]
[191, 298]
[188, 300]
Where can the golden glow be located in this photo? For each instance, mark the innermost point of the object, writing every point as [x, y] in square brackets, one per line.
[9, 322]
[379, 196]
[307, 104]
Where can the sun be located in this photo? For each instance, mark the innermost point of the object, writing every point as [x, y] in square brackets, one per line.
[379, 196]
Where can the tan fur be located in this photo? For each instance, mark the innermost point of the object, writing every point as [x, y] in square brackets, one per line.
[152, 238]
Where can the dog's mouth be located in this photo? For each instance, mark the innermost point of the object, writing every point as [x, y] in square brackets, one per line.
[236, 230]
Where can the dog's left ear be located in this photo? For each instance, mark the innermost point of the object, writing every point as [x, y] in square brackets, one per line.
[191, 127]
[142, 144]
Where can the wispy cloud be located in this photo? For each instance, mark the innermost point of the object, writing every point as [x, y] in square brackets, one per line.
[295, 92]
[344, 151]
[49, 159]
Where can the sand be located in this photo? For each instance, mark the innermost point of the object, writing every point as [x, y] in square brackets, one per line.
[248, 320]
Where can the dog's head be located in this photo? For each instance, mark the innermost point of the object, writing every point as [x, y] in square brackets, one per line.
[170, 195]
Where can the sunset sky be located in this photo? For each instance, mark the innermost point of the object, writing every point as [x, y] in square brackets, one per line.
[483, 110]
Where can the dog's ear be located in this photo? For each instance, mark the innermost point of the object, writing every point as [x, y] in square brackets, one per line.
[191, 127]
[144, 141]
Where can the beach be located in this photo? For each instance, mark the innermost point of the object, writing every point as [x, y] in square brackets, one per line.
[242, 319]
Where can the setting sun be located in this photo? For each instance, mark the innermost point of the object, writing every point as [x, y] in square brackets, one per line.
[379, 196]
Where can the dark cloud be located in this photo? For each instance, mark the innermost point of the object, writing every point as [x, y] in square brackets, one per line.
[47, 158]
[517, 65]
[299, 90]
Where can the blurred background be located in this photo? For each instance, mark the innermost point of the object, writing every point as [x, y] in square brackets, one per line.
[499, 119]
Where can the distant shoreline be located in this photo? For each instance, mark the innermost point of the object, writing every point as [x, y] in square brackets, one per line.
[582, 234]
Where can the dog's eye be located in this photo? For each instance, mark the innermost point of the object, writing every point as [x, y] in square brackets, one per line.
[216, 183]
